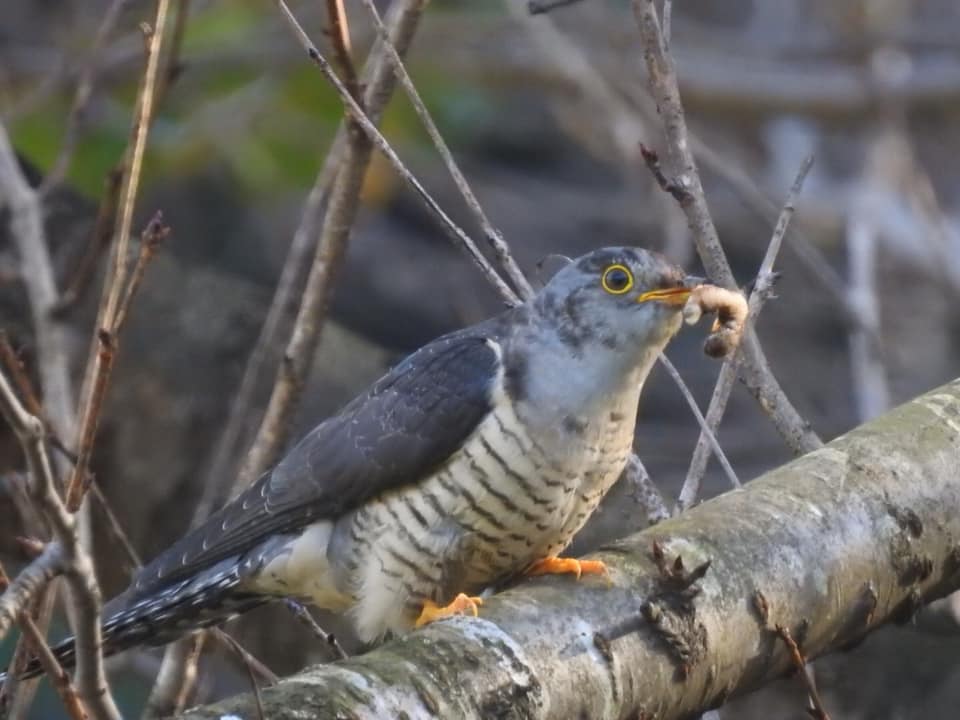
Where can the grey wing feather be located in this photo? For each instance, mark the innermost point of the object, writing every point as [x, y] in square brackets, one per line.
[405, 426]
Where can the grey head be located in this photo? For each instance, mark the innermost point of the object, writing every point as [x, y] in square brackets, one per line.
[618, 299]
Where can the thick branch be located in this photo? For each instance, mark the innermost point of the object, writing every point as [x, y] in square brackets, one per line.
[853, 535]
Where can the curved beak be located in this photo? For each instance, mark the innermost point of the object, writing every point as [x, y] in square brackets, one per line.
[673, 296]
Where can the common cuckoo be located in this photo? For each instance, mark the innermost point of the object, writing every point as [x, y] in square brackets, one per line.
[474, 460]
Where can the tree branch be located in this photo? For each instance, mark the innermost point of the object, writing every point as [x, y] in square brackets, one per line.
[865, 531]
[77, 567]
[755, 372]
[721, 391]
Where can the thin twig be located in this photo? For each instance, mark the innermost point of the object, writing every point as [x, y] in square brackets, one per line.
[58, 677]
[78, 568]
[704, 428]
[493, 235]
[342, 47]
[292, 373]
[81, 98]
[28, 583]
[456, 234]
[304, 616]
[255, 686]
[154, 234]
[14, 367]
[721, 392]
[176, 678]
[755, 371]
[99, 366]
[99, 240]
[36, 270]
[345, 166]
[171, 67]
[800, 663]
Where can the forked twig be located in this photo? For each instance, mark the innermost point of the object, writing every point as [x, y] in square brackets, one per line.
[494, 237]
[724, 385]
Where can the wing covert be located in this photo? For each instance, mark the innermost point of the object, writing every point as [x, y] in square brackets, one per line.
[405, 426]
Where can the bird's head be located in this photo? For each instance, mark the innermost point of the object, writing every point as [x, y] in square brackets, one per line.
[621, 299]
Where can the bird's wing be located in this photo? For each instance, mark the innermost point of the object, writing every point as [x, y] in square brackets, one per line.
[404, 427]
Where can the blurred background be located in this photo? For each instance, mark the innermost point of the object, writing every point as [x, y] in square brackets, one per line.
[545, 113]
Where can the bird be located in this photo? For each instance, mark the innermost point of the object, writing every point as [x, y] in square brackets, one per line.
[472, 462]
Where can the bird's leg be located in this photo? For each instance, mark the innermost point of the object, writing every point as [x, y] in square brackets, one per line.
[462, 605]
[554, 565]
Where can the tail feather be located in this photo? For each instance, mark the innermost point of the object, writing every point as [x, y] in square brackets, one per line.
[164, 616]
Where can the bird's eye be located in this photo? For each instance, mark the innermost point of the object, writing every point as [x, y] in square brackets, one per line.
[617, 280]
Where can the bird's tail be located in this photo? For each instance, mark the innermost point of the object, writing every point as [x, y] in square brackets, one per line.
[162, 617]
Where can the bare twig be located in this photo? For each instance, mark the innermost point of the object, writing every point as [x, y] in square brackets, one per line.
[721, 392]
[254, 685]
[154, 234]
[36, 271]
[704, 428]
[171, 67]
[14, 367]
[52, 667]
[274, 428]
[340, 39]
[456, 234]
[78, 569]
[796, 656]
[99, 365]
[28, 582]
[304, 616]
[867, 372]
[494, 237]
[626, 125]
[176, 678]
[755, 372]
[83, 273]
[345, 167]
[85, 86]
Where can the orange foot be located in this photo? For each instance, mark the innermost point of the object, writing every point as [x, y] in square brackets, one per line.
[557, 566]
[461, 605]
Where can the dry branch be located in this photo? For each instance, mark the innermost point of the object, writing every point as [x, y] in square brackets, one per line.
[97, 375]
[721, 392]
[454, 232]
[331, 245]
[755, 372]
[863, 531]
[494, 237]
[77, 566]
[345, 167]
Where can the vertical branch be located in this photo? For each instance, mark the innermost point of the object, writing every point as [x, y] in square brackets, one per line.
[454, 232]
[494, 237]
[721, 391]
[341, 211]
[99, 366]
[78, 568]
[342, 50]
[81, 98]
[755, 372]
[344, 169]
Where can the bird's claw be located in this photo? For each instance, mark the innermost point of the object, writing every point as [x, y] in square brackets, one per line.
[561, 566]
[462, 605]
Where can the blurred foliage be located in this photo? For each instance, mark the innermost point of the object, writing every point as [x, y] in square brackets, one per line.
[270, 122]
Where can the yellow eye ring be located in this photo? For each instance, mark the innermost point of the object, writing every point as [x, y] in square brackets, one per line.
[617, 279]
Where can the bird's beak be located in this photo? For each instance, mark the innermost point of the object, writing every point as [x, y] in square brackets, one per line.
[672, 296]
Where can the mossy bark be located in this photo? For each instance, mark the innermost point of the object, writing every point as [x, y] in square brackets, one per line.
[851, 536]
